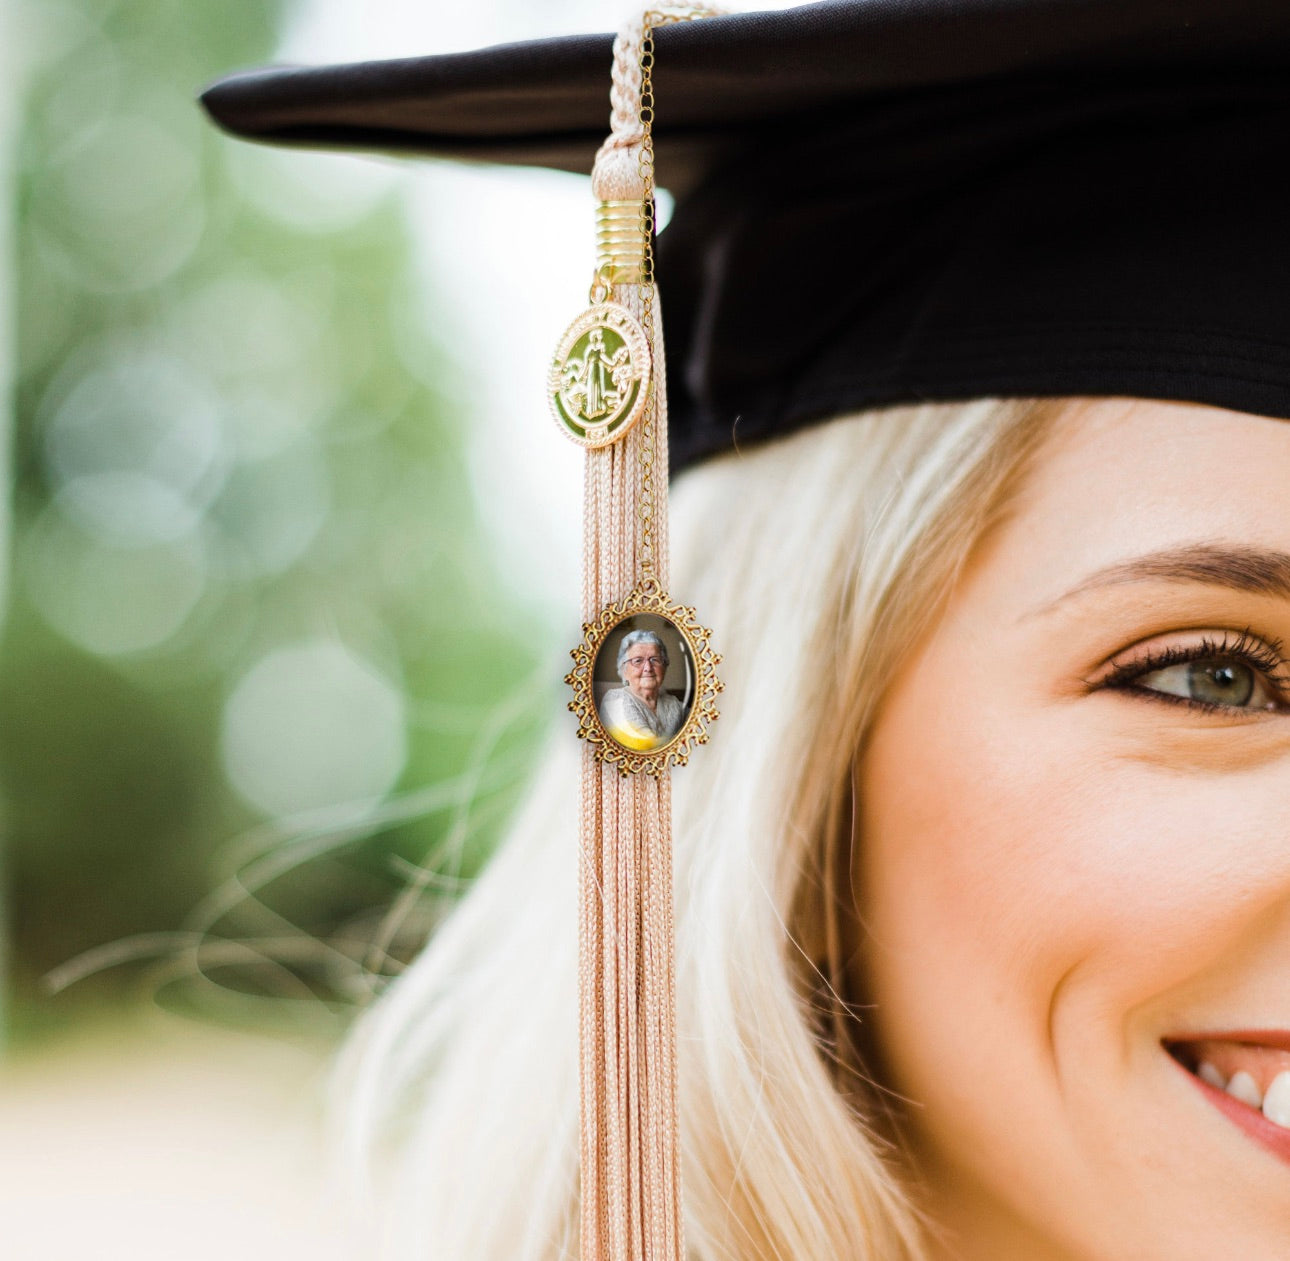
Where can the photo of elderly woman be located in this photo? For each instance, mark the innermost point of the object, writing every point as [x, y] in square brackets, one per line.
[636, 707]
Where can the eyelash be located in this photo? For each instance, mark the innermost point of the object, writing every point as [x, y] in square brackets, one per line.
[1264, 656]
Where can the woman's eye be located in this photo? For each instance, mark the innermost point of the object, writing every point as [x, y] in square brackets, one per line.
[1212, 681]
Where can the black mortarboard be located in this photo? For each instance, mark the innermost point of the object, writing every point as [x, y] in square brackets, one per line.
[890, 200]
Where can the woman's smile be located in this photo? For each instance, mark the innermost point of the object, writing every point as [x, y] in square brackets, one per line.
[1246, 1075]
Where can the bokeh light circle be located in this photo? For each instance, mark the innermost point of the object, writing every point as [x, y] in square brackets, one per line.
[110, 600]
[312, 725]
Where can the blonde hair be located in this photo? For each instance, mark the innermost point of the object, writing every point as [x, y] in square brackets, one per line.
[818, 560]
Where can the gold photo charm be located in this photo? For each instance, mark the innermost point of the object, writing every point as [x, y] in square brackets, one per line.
[624, 710]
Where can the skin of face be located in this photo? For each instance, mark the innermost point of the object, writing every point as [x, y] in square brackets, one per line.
[1054, 875]
[645, 683]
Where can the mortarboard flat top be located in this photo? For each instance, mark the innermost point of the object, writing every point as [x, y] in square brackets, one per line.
[890, 200]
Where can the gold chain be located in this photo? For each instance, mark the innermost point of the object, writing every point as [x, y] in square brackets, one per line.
[645, 116]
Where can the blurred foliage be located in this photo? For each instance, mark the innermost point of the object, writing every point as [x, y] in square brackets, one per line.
[256, 662]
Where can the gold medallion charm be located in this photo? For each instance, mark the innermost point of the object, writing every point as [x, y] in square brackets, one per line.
[599, 381]
[645, 682]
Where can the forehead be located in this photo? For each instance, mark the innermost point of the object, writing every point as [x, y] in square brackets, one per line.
[1119, 478]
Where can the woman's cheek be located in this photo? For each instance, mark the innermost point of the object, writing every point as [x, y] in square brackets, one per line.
[965, 863]
[1050, 863]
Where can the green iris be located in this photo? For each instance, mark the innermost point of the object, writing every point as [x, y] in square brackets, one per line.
[1218, 682]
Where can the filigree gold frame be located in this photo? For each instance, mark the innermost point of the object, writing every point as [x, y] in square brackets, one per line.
[647, 598]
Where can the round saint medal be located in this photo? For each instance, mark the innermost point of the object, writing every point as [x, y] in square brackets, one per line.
[600, 375]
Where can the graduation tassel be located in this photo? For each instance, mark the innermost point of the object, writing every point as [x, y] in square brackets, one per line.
[644, 684]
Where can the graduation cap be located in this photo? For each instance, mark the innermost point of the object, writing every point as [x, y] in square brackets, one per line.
[877, 202]
[883, 201]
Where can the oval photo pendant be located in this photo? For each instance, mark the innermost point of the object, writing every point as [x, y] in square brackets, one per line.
[644, 683]
[599, 379]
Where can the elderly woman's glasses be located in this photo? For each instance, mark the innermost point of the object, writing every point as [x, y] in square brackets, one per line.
[639, 663]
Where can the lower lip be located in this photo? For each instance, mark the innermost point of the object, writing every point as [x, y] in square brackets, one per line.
[1274, 1137]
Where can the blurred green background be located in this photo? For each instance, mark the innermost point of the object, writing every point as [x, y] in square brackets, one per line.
[263, 702]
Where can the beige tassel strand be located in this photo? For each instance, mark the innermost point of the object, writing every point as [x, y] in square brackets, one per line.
[631, 1181]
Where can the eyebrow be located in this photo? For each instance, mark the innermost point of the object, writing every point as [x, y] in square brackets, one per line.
[1254, 570]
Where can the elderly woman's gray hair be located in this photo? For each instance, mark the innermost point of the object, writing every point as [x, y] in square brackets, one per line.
[635, 637]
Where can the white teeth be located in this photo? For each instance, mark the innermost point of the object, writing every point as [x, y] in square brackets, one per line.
[1207, 1072]
[1276, 1103]
[1246, 1089]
